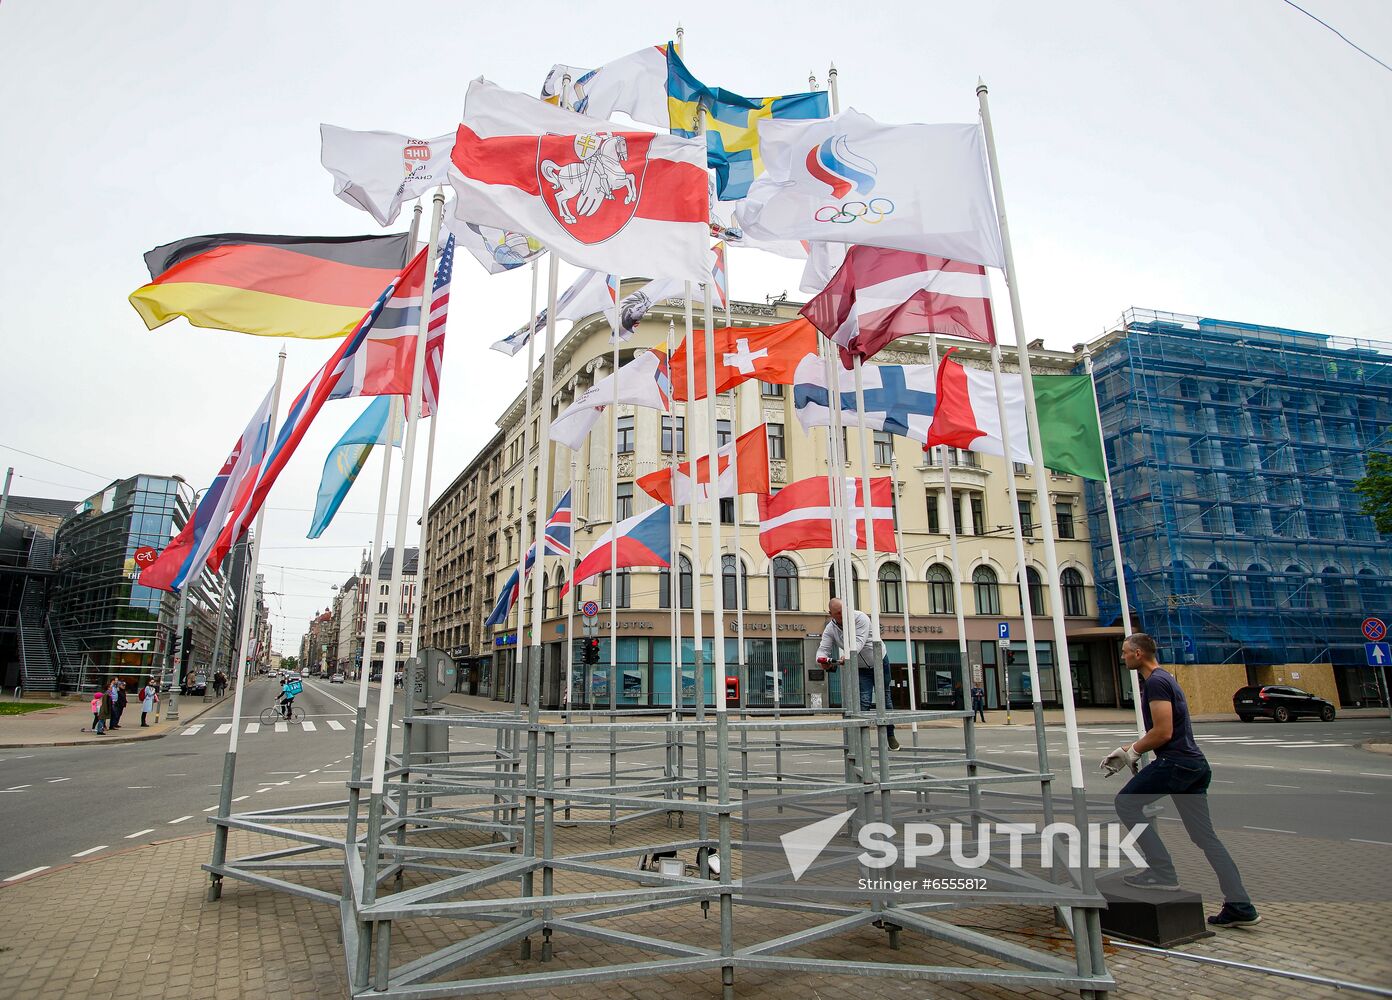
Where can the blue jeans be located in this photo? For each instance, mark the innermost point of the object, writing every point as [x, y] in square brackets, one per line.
[1187, 780]
[867, 690]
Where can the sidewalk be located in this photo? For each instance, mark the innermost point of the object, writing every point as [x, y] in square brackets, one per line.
[136, 924]
[71, 724]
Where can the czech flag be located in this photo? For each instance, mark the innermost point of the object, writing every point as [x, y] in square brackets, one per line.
[643, 540]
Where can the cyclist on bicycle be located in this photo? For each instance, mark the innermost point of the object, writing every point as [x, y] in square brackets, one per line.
[286, 700]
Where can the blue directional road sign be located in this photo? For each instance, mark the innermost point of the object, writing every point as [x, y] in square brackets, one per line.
[1378, 653]
[1004, 629]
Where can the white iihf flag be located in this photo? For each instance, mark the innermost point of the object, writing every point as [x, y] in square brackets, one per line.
[380, 171]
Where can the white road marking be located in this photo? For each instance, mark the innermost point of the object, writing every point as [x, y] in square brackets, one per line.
[1320, 770]
[1375, 774]
[309, 727]
[260, 790]
[1350, 791]
[180, 819]
[90, 850]
[1282, 786]
[210, 809]
[367, 725]
[253, 727]
[1379, 843]
[139, 833]
[31, 871]
[15, 788]
[335, 725]
[1267, 829]
[192, 730]
[282, 727]
[223, 729]
[240, 797]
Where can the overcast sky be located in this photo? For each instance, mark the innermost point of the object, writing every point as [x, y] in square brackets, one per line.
[1222, 158]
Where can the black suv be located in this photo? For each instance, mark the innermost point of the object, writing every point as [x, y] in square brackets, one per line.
[1280, 703]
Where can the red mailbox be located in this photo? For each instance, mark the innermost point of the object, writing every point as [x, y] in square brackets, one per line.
[732, 690]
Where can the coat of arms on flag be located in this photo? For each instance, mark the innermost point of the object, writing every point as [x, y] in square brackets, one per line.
[582, 176]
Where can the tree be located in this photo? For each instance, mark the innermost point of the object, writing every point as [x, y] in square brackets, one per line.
[1376, 490]
[291, 663]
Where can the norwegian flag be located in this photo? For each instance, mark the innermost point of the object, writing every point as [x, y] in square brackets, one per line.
[800, 516]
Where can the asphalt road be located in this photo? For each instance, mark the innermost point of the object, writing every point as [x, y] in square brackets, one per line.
[58, 804]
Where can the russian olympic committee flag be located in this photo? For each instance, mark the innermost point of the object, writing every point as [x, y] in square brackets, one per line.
[601, 198]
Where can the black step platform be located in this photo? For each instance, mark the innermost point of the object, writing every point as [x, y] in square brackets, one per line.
[1161, 918]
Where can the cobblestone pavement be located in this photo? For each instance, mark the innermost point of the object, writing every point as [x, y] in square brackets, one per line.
[137, 924]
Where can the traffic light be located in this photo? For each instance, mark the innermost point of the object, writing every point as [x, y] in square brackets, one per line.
[188, 648]
[591, 651]
[174, 651]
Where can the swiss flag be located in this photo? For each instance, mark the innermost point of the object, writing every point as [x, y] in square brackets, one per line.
[767, 353]
[751, 450]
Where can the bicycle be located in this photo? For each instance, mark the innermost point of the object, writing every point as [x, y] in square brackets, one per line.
[276, 713]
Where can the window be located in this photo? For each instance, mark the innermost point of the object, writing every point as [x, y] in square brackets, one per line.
[771, 389]
[1259, 586]
[1335, 596]
[934, 525]
[1063, 512]
[560, 585]
[604, 589]
[978, 512]
[785, 584]
[1026, 519]
[385, 588]
[625, 501]
[987, 591]
[884, 448]
[664, 585]
[727, 583]
[667, 434]
[512, 499]
[939, 590]
[1220, 592]
[955, 502]
[381, 647]
[775, 440]
[855, 584]
[727, 510]
[1036, 592]
[400, 648]
[625, 432]
[1297, 588]
[722, 433]
[1074, 594]
[381, 626]
[381, 607]
[891, 591]
[1021, 468]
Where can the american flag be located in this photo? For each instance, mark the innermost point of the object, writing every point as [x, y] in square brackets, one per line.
[435, 335]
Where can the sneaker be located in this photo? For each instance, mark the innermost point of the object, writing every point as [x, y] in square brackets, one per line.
[1148, 879]
[1231, 916]
[893, 743]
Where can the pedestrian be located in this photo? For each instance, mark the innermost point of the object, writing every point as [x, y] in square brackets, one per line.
[978, 696]
[99, 712]
[1179, 770]
[121, 700]
[832, 649]
[149, 694]
[112, 698]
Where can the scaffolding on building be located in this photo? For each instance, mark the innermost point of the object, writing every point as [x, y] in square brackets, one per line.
[1234, 449]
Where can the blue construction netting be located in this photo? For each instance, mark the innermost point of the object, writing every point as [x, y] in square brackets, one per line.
[1233, 450]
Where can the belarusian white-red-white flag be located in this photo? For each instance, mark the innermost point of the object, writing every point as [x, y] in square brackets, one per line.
[676, 487]
[879, 295]
[599, 197]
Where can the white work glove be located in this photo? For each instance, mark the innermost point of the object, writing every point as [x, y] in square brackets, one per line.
[1122, 756]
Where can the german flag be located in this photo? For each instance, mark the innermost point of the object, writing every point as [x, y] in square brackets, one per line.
[312, 287]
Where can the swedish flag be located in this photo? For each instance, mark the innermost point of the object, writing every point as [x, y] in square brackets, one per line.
[732, 123]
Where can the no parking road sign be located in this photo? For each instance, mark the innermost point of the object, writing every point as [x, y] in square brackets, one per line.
[1374, 629]
[589, 609]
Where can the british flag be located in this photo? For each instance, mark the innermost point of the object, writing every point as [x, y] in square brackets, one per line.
[557, 538]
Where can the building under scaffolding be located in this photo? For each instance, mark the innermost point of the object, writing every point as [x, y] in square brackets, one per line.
[1234, 449]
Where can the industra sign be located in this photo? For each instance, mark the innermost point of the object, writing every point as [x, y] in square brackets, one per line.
[133, 645]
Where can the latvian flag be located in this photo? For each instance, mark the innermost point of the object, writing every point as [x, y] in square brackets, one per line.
[800, 516]
[880, 295]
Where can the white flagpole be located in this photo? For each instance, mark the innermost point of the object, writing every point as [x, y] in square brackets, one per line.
[1117, 561]
[229, 764]
[959, 593]
[908, 640]
[697, 639]
[717, 574]
[740, 596]
[520, 646]
[674, 573]
[569, 601]
[1091, 936]
[868, 509]
[614, 324]
[403, 515]
[543, 507]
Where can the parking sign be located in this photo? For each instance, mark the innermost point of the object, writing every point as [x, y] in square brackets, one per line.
[1004, 630]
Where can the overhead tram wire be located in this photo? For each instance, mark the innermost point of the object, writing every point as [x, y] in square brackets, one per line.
[1347, 41]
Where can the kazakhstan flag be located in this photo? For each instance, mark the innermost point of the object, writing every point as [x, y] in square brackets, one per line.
[347, 458]
[732, 123]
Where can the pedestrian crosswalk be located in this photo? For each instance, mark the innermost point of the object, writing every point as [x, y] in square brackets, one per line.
[253, 728]
[1263, 738]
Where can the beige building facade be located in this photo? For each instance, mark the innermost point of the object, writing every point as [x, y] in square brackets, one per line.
[473, 544]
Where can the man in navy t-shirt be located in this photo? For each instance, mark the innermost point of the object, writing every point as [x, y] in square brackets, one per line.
[1179, 770]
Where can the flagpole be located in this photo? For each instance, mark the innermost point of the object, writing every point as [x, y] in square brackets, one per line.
[1117, 561]
[674, 573]
[697, 638]
[868, 509]
[519, 646]
[1027, 609]
[403, 514]
[229, 761]
[960, 595]
[908, 641]
[615, 324]
[1087, 932]
[740, 596]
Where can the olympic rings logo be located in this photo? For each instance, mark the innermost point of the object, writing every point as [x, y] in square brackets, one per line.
[856, 211]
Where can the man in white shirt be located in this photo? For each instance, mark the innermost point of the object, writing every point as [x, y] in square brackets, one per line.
[832, 652]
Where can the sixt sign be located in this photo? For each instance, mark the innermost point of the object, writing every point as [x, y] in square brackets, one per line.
[133, 645]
